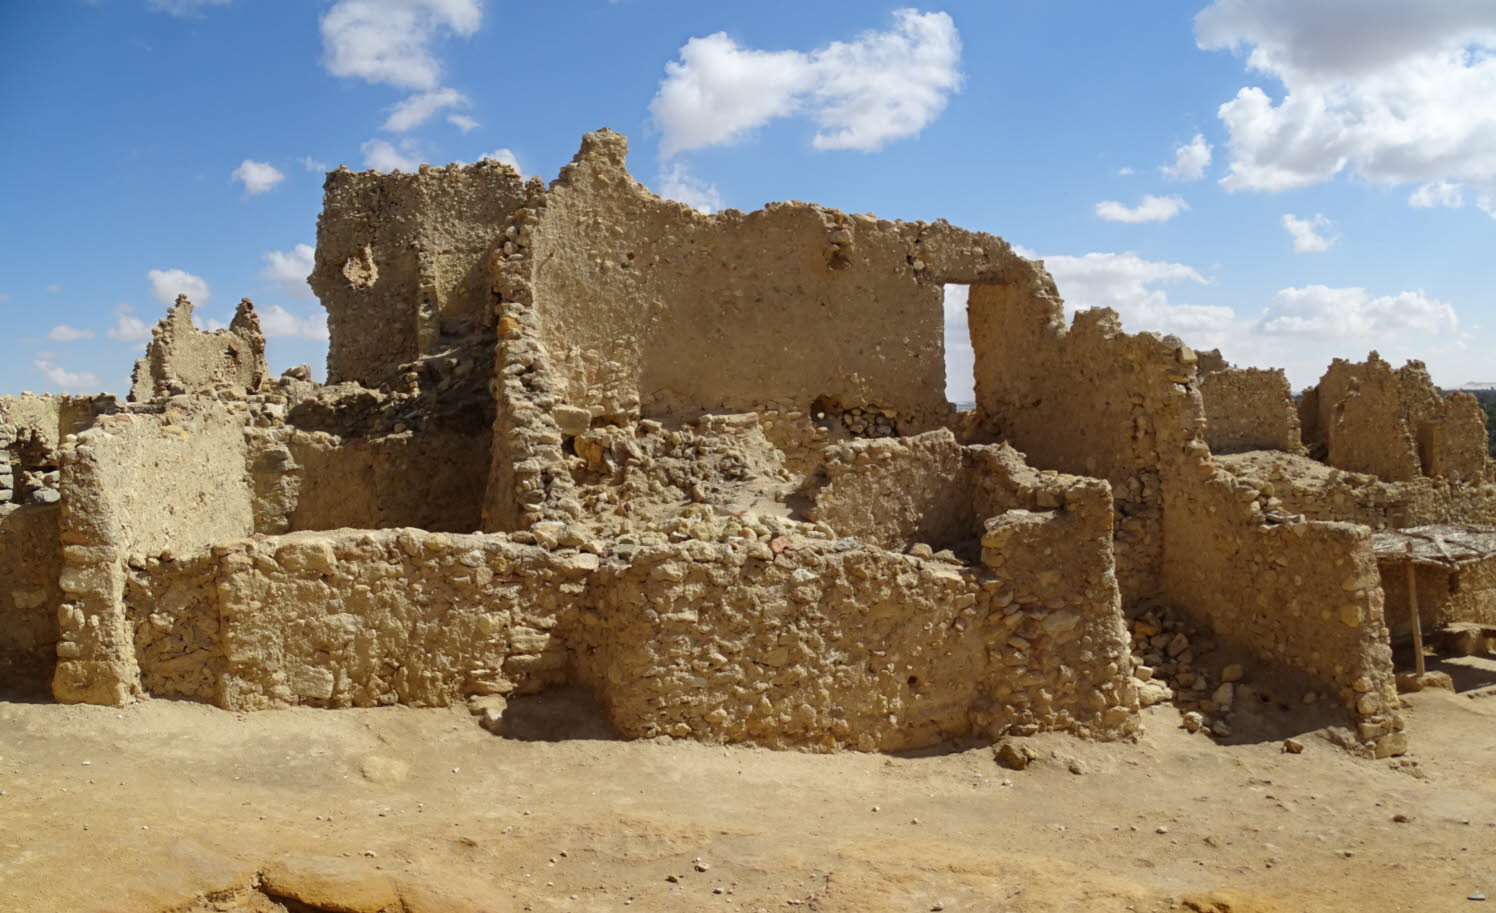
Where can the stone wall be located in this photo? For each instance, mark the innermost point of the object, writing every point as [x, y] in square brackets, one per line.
[139, 485]
[1366, 417]
[817, 646]
[1305, 595]
[1091, 400]
[402, 263]
[180, 358]
[614, 304]
[1249, 409]
[30, 565]
[1300, 485]
[432, 479]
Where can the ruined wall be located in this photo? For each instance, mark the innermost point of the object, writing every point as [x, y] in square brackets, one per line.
[139, 485]
[819, 646]
[1091, 400]
[1306, 595]
[1366, 417]
[402, 263]
[1249, 409]
[896, 493]
[30, 564]
[1298, 485]
[183, 359]
[616, 304]
[429, 479]
[32, 431]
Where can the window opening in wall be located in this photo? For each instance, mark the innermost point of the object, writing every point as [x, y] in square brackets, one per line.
[960, 363]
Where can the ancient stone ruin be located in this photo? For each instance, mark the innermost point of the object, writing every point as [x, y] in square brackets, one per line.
[703, 468]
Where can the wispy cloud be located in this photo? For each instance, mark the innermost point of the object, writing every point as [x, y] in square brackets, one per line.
[1152, 209]
[167, 284]
[277, 322]
[382, 156]
[289, 269]
[1190, 160]
[417, 109]
[462, 122]
[57, 376]
[64, 333]
[1314, 235]
[183, 9]
[127, 327]
[676, 183]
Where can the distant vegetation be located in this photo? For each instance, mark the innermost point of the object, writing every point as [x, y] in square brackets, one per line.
[1488, 402]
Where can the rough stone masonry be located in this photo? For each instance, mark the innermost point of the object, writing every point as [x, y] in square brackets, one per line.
[576, 435]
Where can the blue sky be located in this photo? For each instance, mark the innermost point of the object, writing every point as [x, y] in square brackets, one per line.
[1287, 179]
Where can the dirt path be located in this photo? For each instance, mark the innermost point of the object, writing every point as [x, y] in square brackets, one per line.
[152, 807]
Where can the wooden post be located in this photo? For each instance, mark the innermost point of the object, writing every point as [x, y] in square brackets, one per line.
[1413, 611]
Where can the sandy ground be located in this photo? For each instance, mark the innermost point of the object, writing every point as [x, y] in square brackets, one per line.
[174, 806]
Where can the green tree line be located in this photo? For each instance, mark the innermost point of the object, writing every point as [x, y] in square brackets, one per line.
[1488, 402]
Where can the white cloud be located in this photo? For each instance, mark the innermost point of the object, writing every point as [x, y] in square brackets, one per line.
[462, 122]
[381, 156]
[277, 322]
[1126, 171]
[67, 380]
[417, 109]
[504, 157]
[311, 164]
[960, 359]
[1310, 235]
[1392, 91]
[1438, 193]
[676, 183]
[65, 333]
[1152, 209]
[182, 8]
[1323, 312]
[389, 41]
[1129, 285]
[1487, 204]
[127, 327]
[207, 324]
[862, 94]
[289, 268]
[1190, 160]
[167, 284]
[257, 177]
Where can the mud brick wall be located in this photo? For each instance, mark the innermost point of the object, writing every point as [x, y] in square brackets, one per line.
[1249, 409]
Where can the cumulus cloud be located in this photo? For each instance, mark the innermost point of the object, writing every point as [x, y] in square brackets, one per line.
[289, 269]
[677, 183]
[311, 164]
[1391, 91]
[389, 41]
[1438, 193]
[862, 94]
[167, 284]
[67, 380]
[1190, 160]
[417, 109]
[1132, 286]
[1324, 312]
[462, 122]
[1310, 235]
[382, 156]
[257, 177]
[65, 333]
[127, 327]
[1152, 209]
[277, 322]
[182, 8]
[503, 157]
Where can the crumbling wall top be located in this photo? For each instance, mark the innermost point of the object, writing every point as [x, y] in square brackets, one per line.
[180, 358]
